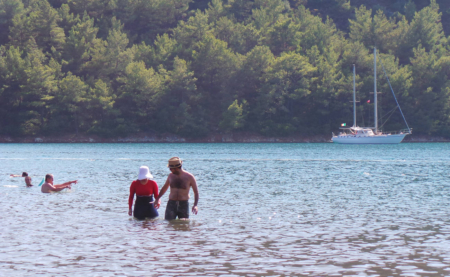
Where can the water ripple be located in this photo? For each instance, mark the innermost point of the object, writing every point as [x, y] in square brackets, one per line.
[265, 209]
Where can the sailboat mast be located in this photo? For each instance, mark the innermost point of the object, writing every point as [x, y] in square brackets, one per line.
[375, 89]
[354, 98]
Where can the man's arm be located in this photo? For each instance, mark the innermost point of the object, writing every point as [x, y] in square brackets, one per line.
[196, 196]
[161, 193]
[50, 187]
[65, 185]
[13, 175]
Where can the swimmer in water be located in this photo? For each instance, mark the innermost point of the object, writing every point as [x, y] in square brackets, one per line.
[48, 185]
[180, 182]
[27, 178]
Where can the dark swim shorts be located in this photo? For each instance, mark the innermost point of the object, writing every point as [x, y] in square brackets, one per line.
[143, 208]
[177, 208]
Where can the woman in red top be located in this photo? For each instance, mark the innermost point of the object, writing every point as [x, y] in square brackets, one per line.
[144, 188]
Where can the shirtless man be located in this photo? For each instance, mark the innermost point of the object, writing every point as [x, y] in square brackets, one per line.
[180, 182]
[27, 178]
[48, 185]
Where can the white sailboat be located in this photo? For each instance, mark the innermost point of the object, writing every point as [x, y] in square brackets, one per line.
[370, 135]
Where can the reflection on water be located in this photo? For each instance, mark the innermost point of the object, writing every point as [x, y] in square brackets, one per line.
[265, 209]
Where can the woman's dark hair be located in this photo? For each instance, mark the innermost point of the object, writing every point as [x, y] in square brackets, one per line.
[24, 174]
[48, 176]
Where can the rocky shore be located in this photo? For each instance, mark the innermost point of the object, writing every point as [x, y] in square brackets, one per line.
[214, 138]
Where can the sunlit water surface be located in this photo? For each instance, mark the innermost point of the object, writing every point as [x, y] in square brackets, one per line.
[265, 209]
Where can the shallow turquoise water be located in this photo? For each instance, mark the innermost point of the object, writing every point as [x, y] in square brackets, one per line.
[265, 209]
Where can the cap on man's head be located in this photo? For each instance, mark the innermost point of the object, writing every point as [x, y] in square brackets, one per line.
[174, 162]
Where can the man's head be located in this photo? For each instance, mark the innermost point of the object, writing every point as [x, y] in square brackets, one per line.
[49, 178]
[175, 165]
[24, 174]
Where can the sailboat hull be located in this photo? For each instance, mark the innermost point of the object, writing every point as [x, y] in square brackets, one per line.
[376, 139]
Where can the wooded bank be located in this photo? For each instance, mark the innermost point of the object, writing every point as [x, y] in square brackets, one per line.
[196, 68]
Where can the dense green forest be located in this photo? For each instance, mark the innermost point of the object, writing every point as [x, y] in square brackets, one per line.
[192, 68]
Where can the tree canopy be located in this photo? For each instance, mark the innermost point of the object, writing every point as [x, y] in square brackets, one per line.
[186, 67]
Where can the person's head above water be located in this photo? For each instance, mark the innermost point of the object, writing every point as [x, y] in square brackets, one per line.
[144, 173]
[24, 174]
[175, 165]
[175, 162]
[49, 177]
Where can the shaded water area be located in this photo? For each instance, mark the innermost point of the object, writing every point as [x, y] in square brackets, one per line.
[265, 209]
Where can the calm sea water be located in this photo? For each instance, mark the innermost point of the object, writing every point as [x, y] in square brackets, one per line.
[265, 209]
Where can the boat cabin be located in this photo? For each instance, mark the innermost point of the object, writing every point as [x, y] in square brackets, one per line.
[364, 133]
[358, 132]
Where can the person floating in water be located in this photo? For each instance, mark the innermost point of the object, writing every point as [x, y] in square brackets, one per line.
[48, 184]
[27, 178]
[144, 188]
[180, 182]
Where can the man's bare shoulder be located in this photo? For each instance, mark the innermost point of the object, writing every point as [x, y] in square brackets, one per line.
[188, 175]
[45, 188]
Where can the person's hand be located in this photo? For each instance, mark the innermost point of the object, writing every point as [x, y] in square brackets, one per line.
[130, 212]
[194, 209]
[157, 203]
[74, 182]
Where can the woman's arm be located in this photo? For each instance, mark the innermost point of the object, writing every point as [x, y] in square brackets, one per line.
[130, 198]
[155, 190]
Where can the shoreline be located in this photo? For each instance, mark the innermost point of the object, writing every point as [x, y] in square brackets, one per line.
[214, 138]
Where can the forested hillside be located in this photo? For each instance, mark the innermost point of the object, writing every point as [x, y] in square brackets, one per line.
[192, 68]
